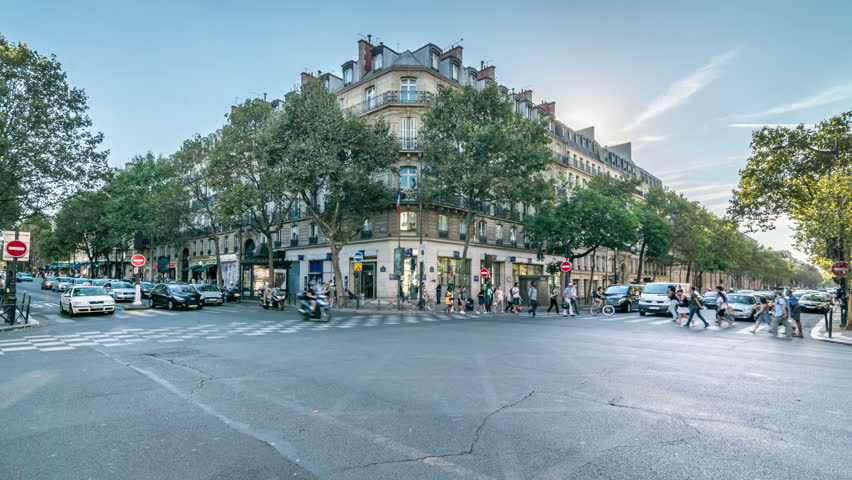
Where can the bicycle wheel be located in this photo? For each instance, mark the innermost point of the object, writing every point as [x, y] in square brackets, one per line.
[608, 310]
[594, 310]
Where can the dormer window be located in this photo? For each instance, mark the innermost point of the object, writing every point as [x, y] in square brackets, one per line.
[327, 83]
[454, 72]
[435, 61]
[377, 62]
[347, 76]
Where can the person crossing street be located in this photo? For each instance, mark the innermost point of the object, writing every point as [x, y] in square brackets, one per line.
[532, 294]
[695, 307]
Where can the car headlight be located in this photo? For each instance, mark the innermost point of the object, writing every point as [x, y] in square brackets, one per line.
[79, 303]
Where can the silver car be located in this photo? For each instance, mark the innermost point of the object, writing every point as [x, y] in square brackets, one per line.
[121, 290]
[813, 302]
[210, 294]
[62, 283]
[744, 305]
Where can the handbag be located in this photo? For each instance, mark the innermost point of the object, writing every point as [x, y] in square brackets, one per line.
[730, 310]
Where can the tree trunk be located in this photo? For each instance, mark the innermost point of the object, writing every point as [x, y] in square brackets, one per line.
[465, 271]
[592, 275]
[335, 266]
[268, 235]
[219, 260]
[641, 262]
[688, 270]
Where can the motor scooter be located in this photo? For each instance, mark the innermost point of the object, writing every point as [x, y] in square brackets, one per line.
[277, 301]
[232, 295]
[322, 312]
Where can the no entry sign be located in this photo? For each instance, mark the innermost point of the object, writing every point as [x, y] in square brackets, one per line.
[16, 248]
[566, 266]
[483, 273]
[137, 260]
[840, 269]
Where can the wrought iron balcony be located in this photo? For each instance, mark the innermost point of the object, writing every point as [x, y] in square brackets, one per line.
[391, 97]
[409, 143]
[443, 234]
[294, 214]
[514, 243]
[365, 234]
[313, 240]
[277, 243]
[294, 242]
[499, 241]
[462, 236]
[483, 239]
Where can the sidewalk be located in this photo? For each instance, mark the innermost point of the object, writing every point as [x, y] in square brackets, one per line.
[838, 335]
[33, 323]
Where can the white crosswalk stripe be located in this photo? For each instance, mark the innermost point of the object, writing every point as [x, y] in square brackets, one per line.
[639, 320]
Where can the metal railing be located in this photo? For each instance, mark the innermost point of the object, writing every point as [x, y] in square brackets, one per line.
[391, 97]
[313, 240]
[409, 143]
[21, 309]
[294, 242]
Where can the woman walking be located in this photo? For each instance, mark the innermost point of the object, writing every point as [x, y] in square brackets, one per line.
[498, 300]
[672, 299]
[762, 314]
[554, 294]
[449, 299]
[722, 307]
[516, 299]
[682, 307]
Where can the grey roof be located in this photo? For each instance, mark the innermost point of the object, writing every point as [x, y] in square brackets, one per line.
[406, 59]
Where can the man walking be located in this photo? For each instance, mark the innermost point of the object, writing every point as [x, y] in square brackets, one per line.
[570, 295]
[795, 313]
[780, 315]
[695, 307]
[533, 296]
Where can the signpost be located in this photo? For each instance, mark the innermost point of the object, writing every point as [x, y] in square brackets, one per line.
[840, 269]
[138, 261]
[17, 247]
[358, 257]
[358, 266]
[483, 273]
[566, 267]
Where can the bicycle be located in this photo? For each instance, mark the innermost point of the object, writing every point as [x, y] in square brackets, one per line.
[607, 310]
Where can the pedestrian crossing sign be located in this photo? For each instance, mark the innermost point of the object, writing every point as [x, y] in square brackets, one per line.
[357, 266]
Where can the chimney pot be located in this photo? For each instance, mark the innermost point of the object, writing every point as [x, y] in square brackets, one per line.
[369, 39]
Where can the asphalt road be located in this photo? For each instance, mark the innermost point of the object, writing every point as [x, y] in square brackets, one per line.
[235, 392]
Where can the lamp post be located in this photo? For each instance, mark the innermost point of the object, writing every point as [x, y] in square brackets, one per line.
[842, 207]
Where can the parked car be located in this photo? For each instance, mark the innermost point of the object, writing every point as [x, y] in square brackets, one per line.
[175, 295]
[47, 283]
[743, 305]
[120, 290]
[86, 299]
[625, 298]
[62, 283]
[23, 277]
[654, 298]
[146, 289]
[813, 302]
[210, 294]
[81, 281]
[710, 299]
[99, 282]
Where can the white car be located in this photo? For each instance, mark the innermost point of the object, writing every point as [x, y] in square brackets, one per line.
[210, 294]
[62, 283]
[121, 290]
[80, 299]
[744, 305]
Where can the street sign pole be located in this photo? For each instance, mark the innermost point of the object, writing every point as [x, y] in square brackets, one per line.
[138, 261]
[10, 301]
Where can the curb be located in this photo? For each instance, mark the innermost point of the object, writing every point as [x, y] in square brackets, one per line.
[20, 326]
[819, 333]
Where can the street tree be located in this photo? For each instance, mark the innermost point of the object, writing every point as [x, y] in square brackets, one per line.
[251, 189]
[804, 174]
[47, 149]
[480, 154]
[655, 235]
[81, 225]
[808, 276]
[334, 163]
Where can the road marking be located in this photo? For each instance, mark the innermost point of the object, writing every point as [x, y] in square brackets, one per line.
[55, 349]
[15, 349]
[660, 322]
[639, 320]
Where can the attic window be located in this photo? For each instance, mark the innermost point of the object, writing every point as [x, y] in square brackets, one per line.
[435, 60]
[377, 61]
[454, 72]
[347, 76]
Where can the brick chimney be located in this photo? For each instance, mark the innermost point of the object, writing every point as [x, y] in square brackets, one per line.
[487, 72]
[453, 52]
[526, 95]
[365, 58]
[549, 108]
[307, 77]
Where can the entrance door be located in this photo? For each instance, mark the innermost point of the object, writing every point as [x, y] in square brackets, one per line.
[365, 280]
[540, 284]
[293, 276]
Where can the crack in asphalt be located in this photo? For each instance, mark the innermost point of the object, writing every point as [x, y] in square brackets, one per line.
[200, 384]
[470, 451]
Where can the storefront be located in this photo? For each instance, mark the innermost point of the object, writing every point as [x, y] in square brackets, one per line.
[230, 273]
[450, 273]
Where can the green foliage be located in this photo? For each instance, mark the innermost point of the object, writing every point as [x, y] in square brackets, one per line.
[81, 225]
[47, 152]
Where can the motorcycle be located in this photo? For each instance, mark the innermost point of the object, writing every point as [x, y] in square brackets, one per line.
[232, 295]
[322, 312]
[277, 301]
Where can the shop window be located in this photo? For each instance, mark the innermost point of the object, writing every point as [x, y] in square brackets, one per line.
[408, 221]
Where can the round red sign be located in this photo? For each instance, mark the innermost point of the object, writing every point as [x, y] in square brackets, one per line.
[16, 248]
[566, 266]
[483, 273]
[137, 260]
[840, 269]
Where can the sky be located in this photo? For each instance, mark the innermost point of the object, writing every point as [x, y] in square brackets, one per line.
[686, 82]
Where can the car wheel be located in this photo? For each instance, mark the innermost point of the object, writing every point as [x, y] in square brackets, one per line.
[71, 310]
[200, 306]
[151, 303]
[61, 310]
[171, 305]
[110, 312]
[641, 313]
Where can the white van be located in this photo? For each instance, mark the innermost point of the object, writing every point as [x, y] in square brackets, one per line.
[655, 299]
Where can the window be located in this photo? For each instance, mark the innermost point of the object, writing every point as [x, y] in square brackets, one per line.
[408, 221]
[377, 62]
[499, 232]
[371, 98]
[314, 230]
[482, 231]
[347, 76]
[443, 224]
[294, 233]
[513, 234]
[408, 177]
[408, 133]
[462, 229]
[454, 72]
[408, 90]
[368, 226]
[473, 79]
[342, 102]
[327, 83]
[227, 238]
[435, 60]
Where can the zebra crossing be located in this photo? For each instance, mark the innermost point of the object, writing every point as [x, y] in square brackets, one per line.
[741, 327]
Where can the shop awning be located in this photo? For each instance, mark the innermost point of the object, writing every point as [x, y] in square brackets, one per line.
[204, 267]
[191, 268]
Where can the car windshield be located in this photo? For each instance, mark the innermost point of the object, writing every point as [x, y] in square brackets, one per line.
[50, 279]
[100, 282]
[147, 284]
[181, 289]
[88, 291]
[617, 290]
[812, 297]
[657, 288]
[207, 288]
[710, 294]
[121, 285]
[65, 279]
[79, 281]
[747, 299]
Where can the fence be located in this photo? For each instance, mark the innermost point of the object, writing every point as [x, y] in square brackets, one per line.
[20, 311]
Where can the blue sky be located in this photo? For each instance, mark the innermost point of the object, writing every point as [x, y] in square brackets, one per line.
[683, 81]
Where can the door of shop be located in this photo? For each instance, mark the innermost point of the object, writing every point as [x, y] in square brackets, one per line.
[540, 284]
[293, 278]
[365, 280]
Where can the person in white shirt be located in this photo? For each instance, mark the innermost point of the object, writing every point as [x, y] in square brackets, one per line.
[722, 307]
[779, 314]
[570, 295]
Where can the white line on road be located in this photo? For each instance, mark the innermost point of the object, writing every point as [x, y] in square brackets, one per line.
[639, 320]
[660, 322]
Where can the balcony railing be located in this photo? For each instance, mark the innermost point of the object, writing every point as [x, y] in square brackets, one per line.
[313, 240]
[277, 243]
[443, 234]
[409, 143]
[462, 236]
[514, 244]
[391, 97]
[294, 214]
[499, 241]
[365, 234]
[294, 242]
[483, 239]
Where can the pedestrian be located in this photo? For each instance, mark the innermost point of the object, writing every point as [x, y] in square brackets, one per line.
[498, 300]
[480, 300]
[554, 295]
[722, 307]
[672, 299]
[762, 314]
[779, 315]
[695, 307]
[332, 290]
[516, 299]
[570, 295]
[438, 296]
[682, 306]
[462, 299]
[449, 299]
[489, 298]
[533, 298]
[795, 313]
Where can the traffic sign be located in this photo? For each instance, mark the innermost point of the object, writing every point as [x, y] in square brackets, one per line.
[483, 273]
[753, 283]
[137, 260]
[358, 266]
[358, 257]
[16, 248]
[840, 269]
[566, 266]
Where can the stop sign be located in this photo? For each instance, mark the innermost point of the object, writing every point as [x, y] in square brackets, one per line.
[16, 248]
[137, 260]
[566, 266]
[483, 273]
[840, 269]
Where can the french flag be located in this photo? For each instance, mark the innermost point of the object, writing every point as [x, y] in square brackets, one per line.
[398, 200]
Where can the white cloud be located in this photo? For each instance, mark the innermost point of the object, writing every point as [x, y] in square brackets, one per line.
[652, 138]
[770, 125]
[680, 91]
[706, 188]
[832, 95]
[710, 196]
